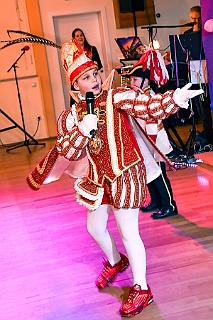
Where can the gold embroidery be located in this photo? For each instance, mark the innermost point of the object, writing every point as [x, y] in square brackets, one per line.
[32, 181]
[95, 144]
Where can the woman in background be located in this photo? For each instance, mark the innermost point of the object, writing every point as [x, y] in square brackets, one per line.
[91, 51]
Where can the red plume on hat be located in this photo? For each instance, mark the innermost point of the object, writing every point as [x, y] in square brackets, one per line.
[152, 60]
[75, 60]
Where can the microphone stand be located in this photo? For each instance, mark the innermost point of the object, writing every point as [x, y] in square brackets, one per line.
[192, 134]
[150, 29]
[135, 24]
[26, 141]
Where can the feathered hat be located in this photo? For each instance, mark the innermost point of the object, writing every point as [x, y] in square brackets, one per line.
[151, 66]
[74, 60]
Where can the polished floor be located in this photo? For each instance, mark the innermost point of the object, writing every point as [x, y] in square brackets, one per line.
[49, 263]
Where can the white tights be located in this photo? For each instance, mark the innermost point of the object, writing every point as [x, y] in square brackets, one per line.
[127, 223]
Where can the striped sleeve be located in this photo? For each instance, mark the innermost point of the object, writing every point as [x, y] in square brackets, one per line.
[70, 142]
[145, 106]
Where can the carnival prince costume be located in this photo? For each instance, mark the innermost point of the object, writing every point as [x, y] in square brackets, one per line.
[111, 166]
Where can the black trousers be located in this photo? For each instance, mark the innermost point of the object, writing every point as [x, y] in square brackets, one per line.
[161, 191]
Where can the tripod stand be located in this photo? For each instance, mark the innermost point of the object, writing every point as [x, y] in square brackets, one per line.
[27, 136]
[181, 147]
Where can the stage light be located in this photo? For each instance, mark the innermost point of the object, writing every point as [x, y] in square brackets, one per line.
[156, 44]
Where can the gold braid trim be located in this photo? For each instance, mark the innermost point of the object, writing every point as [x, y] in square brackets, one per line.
[118, 193]
[127, 178]
[160, 126]
[44, 164]
[134, 175]
[37, 177]
[142, 179]
[32, 183]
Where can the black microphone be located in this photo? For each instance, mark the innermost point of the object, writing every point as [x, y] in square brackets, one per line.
[26, 48]
[90, 107]
[190, 24]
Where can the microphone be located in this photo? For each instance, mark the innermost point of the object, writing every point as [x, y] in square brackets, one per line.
[90, 107]
[26, 48]
[190, 24]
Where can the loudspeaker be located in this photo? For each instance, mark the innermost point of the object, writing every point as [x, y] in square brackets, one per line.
[131, 5]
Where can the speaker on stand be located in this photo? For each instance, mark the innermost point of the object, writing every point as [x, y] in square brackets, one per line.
[132, 6]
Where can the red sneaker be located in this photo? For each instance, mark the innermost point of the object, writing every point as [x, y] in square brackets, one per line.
[109, 272]
[137, 300]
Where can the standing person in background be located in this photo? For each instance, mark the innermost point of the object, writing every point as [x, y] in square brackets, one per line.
[91, 51]
[195, 16]
[206, 136]
[160, 190]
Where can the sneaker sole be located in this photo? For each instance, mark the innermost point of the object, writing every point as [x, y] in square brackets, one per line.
[136, 312]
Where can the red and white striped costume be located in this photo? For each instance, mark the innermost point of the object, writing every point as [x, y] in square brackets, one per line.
[118, 170]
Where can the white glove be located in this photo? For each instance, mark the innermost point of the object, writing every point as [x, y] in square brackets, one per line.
[88, 124]
[182, 96]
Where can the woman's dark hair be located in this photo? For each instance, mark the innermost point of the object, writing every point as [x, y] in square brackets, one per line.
[86, 43]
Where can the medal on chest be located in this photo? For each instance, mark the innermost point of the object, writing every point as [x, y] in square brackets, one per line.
[95, 143]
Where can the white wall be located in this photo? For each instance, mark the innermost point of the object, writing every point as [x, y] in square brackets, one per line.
[13, 17]
[32, 107]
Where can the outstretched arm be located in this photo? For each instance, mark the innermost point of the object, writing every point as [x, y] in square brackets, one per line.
[158, 106]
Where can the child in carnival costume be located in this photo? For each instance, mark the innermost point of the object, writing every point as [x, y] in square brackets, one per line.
[115, 175]
[150, 72]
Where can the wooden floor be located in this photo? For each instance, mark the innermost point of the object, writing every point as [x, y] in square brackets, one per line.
[49, 263]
